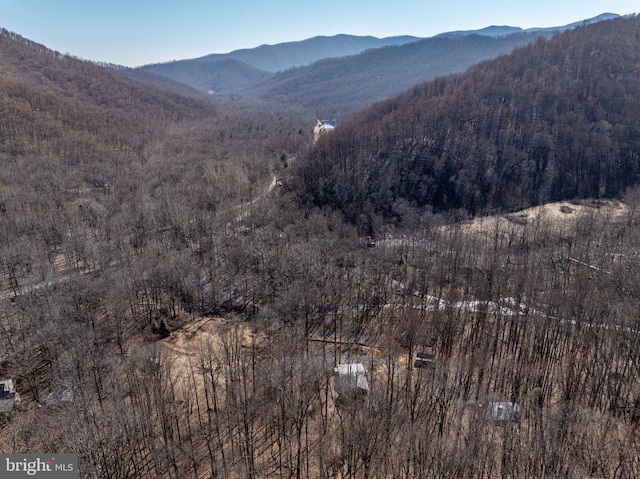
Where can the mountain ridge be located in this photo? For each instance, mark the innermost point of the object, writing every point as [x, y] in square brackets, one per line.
[338, 81]
[227, 72]
[338, 87]
[498, 30]
[282, 56]
[554, 120]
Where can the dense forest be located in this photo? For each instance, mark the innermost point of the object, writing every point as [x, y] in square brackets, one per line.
[178, 287]
[557, 119]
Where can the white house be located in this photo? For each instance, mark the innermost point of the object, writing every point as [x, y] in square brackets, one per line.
[322, 127]
[352, 378]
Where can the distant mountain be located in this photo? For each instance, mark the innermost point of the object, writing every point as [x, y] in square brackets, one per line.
[238, 69]
[274, 58]
[491, 31]
[154, 79]
[220, 76]
[554, 120]
[335, 76]
[496, 31]
[334, 88]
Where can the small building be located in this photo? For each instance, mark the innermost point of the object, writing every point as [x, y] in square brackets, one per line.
[426, 356]
[8, 396]
[322, 127]
[503, 411]
[425, 359]
[351, 379]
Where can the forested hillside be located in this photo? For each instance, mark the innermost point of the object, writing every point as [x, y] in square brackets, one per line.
[167, 310]
[230, 72]
[337, 87]
[77, 122]
[336, 76]
[47, 95]
[554, 120]
[219, 76]
[282, 56]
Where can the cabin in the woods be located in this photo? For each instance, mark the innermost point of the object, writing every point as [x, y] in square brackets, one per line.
[322, 127]
[503, 411]
[8, 396]
[351, 380]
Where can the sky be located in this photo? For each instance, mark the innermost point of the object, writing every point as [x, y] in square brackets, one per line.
[139, 32]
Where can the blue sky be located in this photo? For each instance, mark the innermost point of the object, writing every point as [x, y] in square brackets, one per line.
[136, 32]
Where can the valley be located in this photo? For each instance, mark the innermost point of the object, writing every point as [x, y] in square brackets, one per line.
[443, 285]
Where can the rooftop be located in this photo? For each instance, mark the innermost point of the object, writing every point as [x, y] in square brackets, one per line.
[504, 410]
[352, 375]
[8, 396]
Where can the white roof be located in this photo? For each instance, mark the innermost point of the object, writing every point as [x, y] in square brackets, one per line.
[6, 385]
[354, 374]
[351, 369]
[503, 410]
